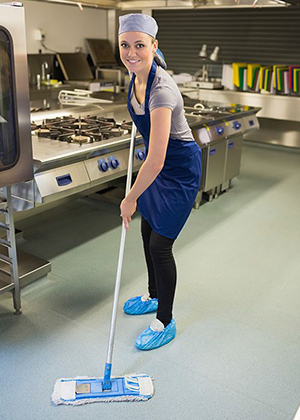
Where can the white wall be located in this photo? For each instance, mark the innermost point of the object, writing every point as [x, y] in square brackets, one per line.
[66, 27]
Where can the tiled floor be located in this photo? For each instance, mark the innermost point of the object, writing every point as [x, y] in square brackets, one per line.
[237, 352]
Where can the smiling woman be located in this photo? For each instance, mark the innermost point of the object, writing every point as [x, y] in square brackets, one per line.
[168, 181]
[137, 51]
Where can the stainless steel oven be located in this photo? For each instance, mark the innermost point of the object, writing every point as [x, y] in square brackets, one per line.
[16, 163]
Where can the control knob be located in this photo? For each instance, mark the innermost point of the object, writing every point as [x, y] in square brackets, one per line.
[140, 154]
[102, 165]
[114, 163]
[219, 130]
[236, 125]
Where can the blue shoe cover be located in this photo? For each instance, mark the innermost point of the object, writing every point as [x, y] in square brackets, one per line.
[137, 306]
[150, 339]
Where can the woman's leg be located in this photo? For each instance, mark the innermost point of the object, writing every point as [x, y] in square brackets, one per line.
[165, 274]
[146, 235]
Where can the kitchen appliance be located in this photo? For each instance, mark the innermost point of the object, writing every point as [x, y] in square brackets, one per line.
[16, 162]
[219, 131]
[80, 130]
[77, 72]
[101, 52]
[78, 153]
[72, 155]
[105, 62]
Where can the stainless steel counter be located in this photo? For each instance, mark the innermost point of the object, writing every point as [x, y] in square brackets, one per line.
[279, 116]
[63, 169]
[50, 153]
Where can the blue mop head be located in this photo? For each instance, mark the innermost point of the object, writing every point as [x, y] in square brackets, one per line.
[84, 390]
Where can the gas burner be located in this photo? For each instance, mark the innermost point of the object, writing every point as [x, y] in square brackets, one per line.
[116, 132]
[42, 132]
[80, 130]
[79, 125]
[80, 139]
[208, 112]
[127, 126]
[211, 113]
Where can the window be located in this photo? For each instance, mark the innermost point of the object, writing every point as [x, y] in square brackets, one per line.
[9, 142]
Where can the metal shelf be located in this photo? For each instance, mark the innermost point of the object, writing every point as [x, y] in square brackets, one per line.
[8, 252]
[5, 287]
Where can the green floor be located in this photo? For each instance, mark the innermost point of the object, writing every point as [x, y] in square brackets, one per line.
[237, 308]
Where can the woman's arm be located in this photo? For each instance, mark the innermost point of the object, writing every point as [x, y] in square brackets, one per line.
[159, 137]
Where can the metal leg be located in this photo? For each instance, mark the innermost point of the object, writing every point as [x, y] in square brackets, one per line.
[211, 194]
[217, 191]
[17, 302]
[12, 252]
[225, 186]
[198, 200]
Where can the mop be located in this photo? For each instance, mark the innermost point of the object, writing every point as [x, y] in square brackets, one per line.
[133, 387]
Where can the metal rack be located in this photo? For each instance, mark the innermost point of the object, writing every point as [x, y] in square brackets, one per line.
[9, 276]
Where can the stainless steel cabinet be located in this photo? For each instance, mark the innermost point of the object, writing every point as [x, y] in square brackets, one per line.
[233, 157]
[215, 164]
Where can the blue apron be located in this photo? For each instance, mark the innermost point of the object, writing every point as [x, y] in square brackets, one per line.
[168, 201]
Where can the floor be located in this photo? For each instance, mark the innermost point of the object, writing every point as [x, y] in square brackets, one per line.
[237, 352]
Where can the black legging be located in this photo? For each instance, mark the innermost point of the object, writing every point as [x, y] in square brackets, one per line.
[161, 270]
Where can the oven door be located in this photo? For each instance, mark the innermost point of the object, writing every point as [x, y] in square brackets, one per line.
[16, 162]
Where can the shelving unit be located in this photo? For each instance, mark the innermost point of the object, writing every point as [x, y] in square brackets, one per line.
[9, 276]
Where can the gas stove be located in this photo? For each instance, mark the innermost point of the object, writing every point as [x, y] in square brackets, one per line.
[90, 129]
[210, 113]
[79, 152]
[78, 149]
[214, 121]
[215, 112]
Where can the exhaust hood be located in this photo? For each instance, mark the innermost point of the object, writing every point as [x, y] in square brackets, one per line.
[174, 4]
[239, 3]
[101, 4]
[155, 4]
[198, 4]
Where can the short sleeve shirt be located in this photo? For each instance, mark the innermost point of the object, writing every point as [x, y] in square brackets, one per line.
[165, 94]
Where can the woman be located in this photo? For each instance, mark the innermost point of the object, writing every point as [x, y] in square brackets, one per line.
[168, 180]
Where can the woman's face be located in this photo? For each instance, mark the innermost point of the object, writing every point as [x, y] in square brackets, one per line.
[137, 50]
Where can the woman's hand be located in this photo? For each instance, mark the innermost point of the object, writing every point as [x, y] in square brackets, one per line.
[127, 208]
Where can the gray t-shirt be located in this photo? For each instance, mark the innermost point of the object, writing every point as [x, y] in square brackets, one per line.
[165, 94]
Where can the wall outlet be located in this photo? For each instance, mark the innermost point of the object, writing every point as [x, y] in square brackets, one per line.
[39, 35]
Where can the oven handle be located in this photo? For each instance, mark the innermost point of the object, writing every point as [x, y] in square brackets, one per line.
[64, 180]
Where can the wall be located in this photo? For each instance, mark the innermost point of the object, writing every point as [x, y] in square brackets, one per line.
[65, 26]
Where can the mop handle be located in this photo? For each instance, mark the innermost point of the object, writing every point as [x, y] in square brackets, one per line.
[107, 372]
